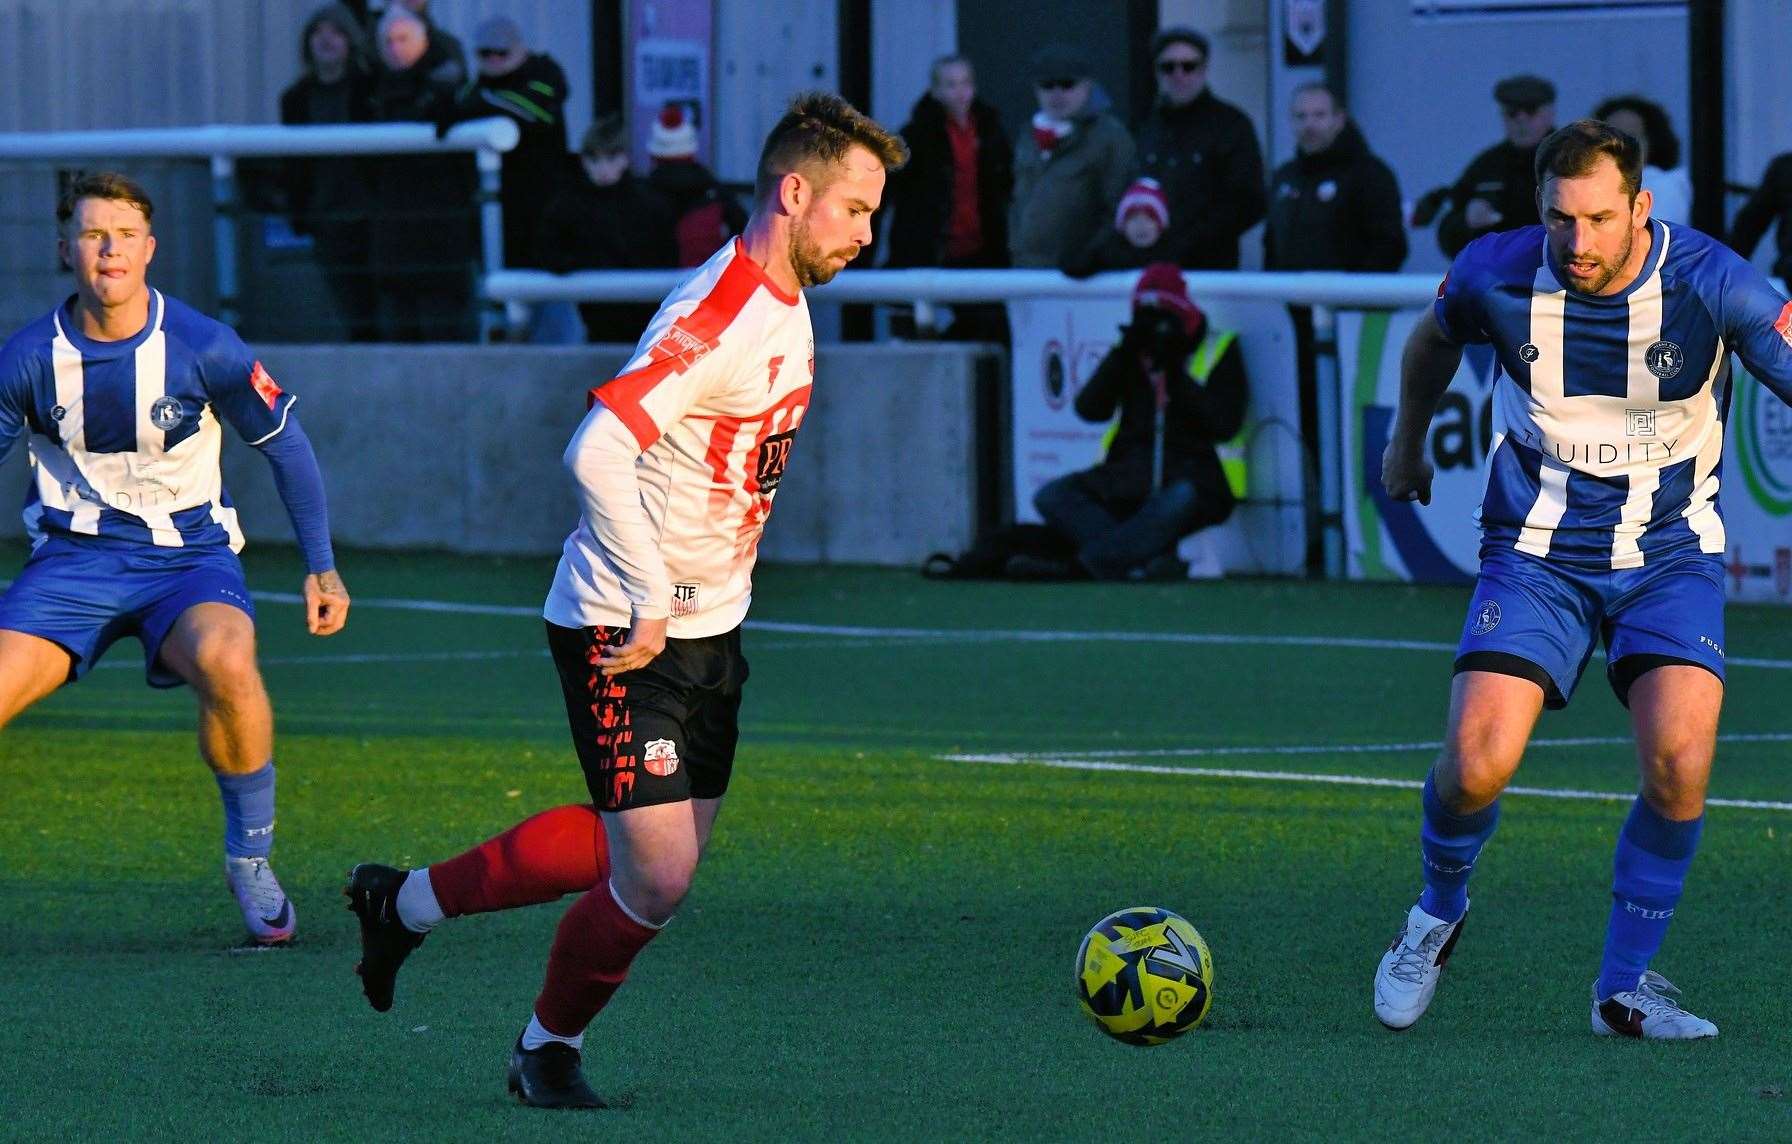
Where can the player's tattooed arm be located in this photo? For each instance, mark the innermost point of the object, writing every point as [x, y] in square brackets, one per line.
[326, 603]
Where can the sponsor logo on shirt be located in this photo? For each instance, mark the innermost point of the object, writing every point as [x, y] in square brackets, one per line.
[1639, 423]
[774, 454]
[1528, 353]
[660, 757]
[684, 599]
[680, 344]
[1782, 325]
[265, 385]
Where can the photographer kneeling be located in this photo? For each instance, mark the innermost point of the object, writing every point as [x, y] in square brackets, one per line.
[1180, 390]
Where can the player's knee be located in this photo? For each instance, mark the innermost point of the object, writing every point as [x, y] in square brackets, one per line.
[1474, 769]
[1674, 781]
[228, 675]
[653, 892]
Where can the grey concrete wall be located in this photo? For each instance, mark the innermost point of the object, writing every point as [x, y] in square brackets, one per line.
[458, 448]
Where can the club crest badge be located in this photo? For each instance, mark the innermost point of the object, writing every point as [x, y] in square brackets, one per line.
[1487, 617]
[166, 413]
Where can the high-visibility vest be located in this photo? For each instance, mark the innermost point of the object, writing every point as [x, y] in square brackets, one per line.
[1200, 368]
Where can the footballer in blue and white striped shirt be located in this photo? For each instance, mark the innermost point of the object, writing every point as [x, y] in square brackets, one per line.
[120, 390]
[1613, 333]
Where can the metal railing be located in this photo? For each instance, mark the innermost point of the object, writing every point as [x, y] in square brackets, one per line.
[224, 144]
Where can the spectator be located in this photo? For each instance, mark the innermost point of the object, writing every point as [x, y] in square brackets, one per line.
[1770, 203]
[1498, 190]
[949, 206]
[1069, 169]
[704, 214]
[1180, 391]
[445, 60]
[530, 89]
[328, 197]
[1204, 152]
[423, 246]
[607, 219]
[1334, 206]
[1663, 177]
[1140, 234]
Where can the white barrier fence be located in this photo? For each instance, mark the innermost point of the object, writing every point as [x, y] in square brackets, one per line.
[223, 144]
[1062, 325]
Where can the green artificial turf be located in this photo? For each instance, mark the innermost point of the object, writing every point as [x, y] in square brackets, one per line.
[880, 943]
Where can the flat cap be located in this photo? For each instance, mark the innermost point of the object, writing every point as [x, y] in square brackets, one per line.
[1525, 91]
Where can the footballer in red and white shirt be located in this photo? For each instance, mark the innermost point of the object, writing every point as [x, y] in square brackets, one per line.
[676, 463]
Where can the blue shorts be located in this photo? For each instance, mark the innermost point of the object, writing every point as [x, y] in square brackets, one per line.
[86, 595]
[1538, 620]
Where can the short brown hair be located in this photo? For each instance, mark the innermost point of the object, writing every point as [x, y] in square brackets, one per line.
[1575, 150]
[817, 130]
[103, 185]
[605, 137]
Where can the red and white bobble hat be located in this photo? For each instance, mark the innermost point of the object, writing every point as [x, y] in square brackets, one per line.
[674, 136]
[1163, 286]
[1143, 195]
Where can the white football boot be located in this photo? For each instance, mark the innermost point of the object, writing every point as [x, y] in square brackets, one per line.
[266, 910]
[1408, 973]
[1648, 1012]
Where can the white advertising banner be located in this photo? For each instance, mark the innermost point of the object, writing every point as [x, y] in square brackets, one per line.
[1058, 343]
[1440, 543]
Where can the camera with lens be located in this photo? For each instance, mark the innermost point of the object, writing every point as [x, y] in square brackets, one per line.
[1158, 334]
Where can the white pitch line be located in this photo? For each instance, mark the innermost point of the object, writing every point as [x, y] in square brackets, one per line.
[987, 635]
[1336, 780]
[1332, 748]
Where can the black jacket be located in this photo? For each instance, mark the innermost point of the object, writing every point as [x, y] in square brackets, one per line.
[1206, 156]
[1771, 202]
[534, 98]
[1504, 176]
[688, 187]
[1336, 209]
[1196, 418]
[588, 227]
[920, 194]
[332, 188]
[623, 227]
[427, 219]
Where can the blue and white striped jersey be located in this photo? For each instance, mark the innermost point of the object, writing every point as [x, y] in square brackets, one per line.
[1609, 410]
[124, 435]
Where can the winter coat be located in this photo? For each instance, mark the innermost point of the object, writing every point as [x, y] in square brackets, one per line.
[1064, 197]
[920, 194]
[534, 98]
[426, 221]
[1505, 177]
[704, 214]
[1205, 155]
[1197, 418]
[1771, 203]
[622, 227]
[328, 188]
[1336, 209]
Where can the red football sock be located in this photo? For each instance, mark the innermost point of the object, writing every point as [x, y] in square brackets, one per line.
[593, 948]
[558, 852]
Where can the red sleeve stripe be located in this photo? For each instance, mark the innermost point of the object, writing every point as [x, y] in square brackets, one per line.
[690, 339]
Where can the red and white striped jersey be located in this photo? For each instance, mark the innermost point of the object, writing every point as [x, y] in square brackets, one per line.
[713, 397]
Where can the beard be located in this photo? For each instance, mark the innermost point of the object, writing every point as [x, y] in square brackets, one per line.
[812, 265]
[1604, 271]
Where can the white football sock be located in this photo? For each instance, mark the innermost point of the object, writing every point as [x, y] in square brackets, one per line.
[417, 905]
[537, 1035]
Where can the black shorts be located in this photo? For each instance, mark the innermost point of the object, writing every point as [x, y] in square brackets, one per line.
[661, 733]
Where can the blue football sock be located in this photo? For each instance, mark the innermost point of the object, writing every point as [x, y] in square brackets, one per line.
[1648, 873]
[248, 812]
[1450, 843]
